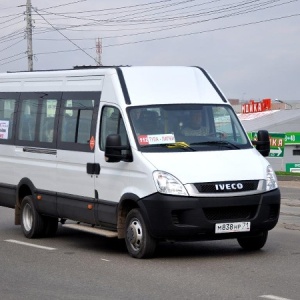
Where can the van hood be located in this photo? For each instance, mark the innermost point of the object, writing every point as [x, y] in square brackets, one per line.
[211, 166]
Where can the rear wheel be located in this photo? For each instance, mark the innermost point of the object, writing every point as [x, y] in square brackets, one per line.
[253, 242]
[32, 222]
[140, 244]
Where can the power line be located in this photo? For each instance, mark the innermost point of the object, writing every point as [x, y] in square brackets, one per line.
[14, 18]
[203, 31]
[237, 9]
[13, 35]
[178, 35]
[178, 25]
[65, 36]
[114, 9]
[11, 45]
[204, 12]
[13, 61]
[228, 10]
[67, 4]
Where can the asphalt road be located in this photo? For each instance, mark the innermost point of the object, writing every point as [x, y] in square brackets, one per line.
[77, 265]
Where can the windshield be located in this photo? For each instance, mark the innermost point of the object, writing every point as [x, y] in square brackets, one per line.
[187, 128]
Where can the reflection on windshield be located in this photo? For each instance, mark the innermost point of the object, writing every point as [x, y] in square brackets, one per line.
[188, 126]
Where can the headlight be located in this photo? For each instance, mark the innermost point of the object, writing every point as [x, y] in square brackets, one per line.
[168, 184]
[271, 179]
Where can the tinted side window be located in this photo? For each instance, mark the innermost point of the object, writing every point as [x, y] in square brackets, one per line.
[112, 123]
[8, 104]
[37, 119]
[27, 122]
[78, 114]
[47, 122]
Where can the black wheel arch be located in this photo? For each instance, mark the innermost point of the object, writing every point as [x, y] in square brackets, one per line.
[127, 202]
[24, 188]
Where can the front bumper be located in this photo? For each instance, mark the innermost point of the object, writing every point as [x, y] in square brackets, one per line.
[193, 218]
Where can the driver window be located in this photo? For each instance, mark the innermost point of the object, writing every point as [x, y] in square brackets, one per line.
[112, 123]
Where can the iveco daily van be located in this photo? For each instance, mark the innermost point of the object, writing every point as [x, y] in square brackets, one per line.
[145, 154]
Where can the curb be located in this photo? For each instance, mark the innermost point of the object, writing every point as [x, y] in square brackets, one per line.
[288, 178]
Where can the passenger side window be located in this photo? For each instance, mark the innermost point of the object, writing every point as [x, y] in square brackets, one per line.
[76, 122]
[28, 116]
[7, 116]
[112, 123]
[77, 118]
[37, 119]
[47, 123]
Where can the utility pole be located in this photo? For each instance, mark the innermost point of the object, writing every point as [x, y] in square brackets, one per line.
[99, 51]
[29, 35]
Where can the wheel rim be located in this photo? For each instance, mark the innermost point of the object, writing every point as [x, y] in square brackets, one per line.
[27, 217]
[135, 234]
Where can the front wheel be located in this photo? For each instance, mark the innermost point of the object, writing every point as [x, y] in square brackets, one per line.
[32, 222]
[253, 242]
[140, 244]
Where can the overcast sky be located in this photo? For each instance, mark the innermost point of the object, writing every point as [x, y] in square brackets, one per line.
[250, 47]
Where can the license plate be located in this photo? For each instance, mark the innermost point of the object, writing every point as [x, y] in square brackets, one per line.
[232, 227]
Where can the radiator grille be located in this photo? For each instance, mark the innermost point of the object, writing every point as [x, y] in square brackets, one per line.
[227, 186]
[230, 213]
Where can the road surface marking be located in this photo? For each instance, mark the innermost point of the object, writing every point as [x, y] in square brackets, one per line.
[272, 297]
[30, 245]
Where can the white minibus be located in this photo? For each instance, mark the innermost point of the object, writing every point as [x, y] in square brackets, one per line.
[145, 153]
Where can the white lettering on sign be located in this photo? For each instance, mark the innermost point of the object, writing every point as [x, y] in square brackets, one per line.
[276, 142]
[254, 107]
[155, 139]
[229, 186]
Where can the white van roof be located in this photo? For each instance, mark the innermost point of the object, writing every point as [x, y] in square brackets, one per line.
[143, 85]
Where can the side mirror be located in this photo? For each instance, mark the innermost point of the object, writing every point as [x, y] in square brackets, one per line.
[263, 142]
[113, 149]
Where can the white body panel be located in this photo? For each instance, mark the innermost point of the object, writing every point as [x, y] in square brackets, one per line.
[210, 166]
[64, 174]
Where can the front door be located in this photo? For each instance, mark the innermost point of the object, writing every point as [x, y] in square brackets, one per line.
[111, 182]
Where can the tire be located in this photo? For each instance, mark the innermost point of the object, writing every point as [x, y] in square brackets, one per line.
[139, 243]
[253, 243]
[50, 226]
[32, 222]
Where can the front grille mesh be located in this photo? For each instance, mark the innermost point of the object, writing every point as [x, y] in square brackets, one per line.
[230, 212]
[220, 187]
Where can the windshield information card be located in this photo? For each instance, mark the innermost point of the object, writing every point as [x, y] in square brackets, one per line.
[155, 139]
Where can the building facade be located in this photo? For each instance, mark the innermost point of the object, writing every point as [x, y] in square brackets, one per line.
[282, 120]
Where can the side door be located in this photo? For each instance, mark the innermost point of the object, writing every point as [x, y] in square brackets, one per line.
[8, 108]
[75, 156]
[34, 162]
[113, 176]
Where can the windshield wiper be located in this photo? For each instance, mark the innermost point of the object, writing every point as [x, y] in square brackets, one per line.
[222, 143]
[176, 145]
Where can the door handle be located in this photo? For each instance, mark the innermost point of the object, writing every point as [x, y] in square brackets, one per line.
[93, 168]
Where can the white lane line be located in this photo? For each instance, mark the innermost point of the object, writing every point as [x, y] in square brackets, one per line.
[105, 259]
[30, 245]
[272, 297]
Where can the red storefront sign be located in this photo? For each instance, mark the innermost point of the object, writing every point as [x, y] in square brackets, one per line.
[253, 107]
